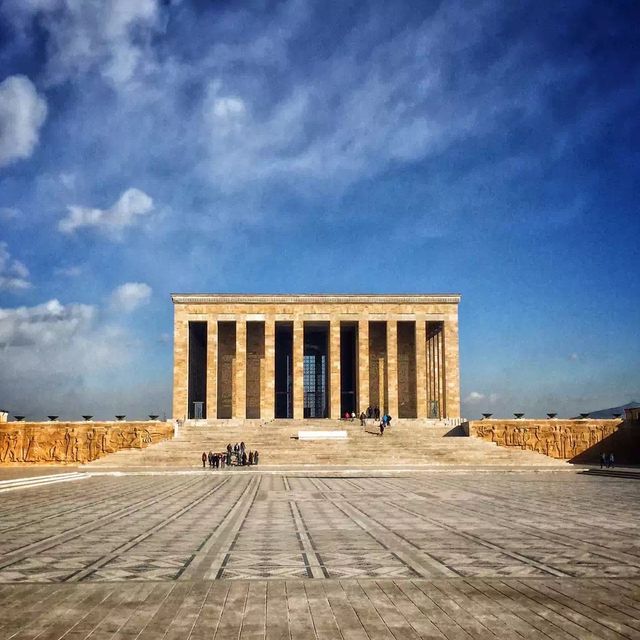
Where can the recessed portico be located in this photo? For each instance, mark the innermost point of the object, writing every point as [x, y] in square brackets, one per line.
[315, 356]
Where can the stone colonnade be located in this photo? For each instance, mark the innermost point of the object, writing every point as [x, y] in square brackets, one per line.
[315, 356]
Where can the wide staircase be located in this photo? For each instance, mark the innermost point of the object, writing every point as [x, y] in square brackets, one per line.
[408, 443]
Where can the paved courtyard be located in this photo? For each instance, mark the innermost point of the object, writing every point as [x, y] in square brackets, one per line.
[447, 554]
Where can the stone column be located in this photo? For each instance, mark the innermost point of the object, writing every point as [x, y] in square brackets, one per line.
[268, 382]
[212, 369]
[421, 368]
[334, 365]
[298, 369]
[392, 367]
[240, 408]
[363, 365]
[180, 367]
[451, 365]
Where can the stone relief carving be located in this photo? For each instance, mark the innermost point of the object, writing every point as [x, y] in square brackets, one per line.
[563, 439]
[75, 442]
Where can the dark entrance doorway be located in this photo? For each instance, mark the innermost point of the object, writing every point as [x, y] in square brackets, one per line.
[197, 394]
[284, 370]
[316, 340]
[348, 369]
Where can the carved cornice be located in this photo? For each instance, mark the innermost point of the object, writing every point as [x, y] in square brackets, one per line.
[306, 298]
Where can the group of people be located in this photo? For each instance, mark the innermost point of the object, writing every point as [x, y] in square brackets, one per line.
[234, 455]
[372, 413]
[607, 460]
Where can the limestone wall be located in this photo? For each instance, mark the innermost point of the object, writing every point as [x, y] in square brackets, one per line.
[75, 442]
[574, 440]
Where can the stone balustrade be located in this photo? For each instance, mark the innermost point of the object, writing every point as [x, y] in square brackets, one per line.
[75, 442]
[581, 440]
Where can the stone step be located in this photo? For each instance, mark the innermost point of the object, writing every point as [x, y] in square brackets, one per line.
[406, 443]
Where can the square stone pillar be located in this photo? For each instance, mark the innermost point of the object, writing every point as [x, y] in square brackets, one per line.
[298, 369]
[421, 368]
[240, 395]
[451, 373]
[212, 369]
[392, 367]
[363, 365]
[268, 382]
[334, 367]
[180, 368]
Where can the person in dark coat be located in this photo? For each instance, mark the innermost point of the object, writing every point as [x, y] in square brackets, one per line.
[244, 458]
[204, 459]
[381, 427]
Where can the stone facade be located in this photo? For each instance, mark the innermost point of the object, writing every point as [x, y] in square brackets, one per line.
[581, 440]
[399, 352]
[75, 442]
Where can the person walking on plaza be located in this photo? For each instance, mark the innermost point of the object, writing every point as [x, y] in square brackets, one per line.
[369, 412]
[210, 457]
[603, 460]
[204, 459]
[242, 449]
[611, 460]
[363, 419]
[376, 413]
[255, 457]
[244, 458]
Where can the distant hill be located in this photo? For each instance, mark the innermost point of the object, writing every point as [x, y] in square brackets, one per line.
[608, 413]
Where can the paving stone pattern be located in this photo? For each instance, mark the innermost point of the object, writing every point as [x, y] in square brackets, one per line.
[461, 554]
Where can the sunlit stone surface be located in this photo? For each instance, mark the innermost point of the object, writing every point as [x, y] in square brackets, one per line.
[450, 554]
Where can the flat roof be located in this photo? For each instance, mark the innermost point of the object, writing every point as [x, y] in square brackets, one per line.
[257, 298]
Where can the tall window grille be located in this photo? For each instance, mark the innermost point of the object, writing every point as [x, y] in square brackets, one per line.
[315, 386]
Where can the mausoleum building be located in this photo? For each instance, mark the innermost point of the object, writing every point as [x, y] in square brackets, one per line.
[315, 356]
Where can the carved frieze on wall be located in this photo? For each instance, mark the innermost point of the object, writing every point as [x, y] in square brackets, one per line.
[75, 442]
[576, 440]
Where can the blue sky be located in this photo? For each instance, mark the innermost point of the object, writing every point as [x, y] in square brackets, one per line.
[485, 148]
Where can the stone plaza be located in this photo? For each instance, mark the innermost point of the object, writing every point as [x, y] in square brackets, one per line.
[449, 554]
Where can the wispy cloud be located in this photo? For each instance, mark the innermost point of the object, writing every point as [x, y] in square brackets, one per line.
[126, 212]
[14, 275]
[131, 295]
[22, 112]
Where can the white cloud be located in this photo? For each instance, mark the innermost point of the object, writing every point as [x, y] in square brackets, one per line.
[14, 275]
[83, 35]
[55, 356]
[22, 112]
[130, 296]
[51, 323]
[476, 397]
[131, 205]
[574, 357]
